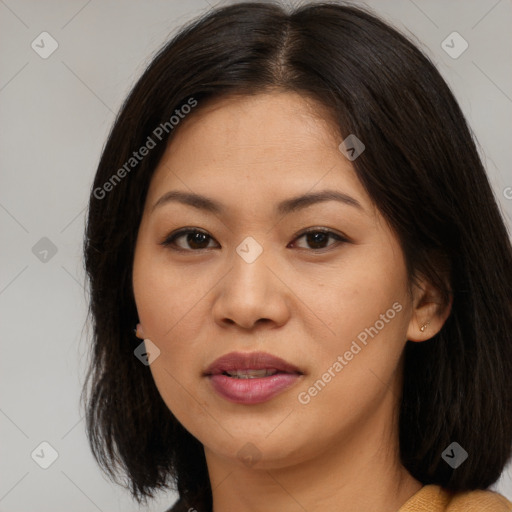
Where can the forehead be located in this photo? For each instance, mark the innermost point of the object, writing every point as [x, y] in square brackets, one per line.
[256, 148]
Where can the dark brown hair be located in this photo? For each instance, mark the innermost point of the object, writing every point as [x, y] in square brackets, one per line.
[420, 167]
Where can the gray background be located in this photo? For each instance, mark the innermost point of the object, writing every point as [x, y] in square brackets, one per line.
[56, 114]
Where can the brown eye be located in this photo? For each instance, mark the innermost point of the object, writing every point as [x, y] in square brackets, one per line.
[317, 238]
[196, 240]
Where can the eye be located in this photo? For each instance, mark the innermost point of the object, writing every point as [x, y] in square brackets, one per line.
[318, 237]
[198, 240]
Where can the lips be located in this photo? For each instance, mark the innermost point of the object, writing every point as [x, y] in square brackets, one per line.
[242, 363]
[251, 378]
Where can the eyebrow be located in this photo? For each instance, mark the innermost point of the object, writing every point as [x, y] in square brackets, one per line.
[283, 208]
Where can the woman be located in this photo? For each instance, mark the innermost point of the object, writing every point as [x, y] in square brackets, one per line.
[291, 210]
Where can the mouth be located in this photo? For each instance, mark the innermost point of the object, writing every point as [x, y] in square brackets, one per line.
[250, 365]
[251, 378]
[252, 373]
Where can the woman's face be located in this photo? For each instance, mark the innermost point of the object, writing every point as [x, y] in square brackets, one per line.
[337, 310]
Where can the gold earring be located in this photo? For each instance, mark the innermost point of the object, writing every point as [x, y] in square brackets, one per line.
[424, 326]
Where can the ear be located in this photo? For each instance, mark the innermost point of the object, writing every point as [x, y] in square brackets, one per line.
[139, 332]
[430, 311]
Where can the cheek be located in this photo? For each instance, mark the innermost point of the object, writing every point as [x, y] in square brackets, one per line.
[169, 316]
[368, 309]
[356, 298]
[178, 388]
[354, 369]
[164, 295]
[167, 306]
[169, 322]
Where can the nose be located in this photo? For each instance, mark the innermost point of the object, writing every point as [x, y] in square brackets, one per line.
[252, 294]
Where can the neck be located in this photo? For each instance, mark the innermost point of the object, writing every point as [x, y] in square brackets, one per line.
[358, 472]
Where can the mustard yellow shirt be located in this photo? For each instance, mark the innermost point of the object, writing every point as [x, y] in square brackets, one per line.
[432, 498]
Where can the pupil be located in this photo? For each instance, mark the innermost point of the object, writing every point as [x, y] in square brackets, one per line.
[316, 238]
[196, 238]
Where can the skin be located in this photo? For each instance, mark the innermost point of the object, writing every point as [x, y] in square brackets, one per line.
[340, 450]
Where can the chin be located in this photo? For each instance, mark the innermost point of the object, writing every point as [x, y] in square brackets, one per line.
[259, 448]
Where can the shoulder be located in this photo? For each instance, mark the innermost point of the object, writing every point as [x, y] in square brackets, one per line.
[433, 498]
[479, 501]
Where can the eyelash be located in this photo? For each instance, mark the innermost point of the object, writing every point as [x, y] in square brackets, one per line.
[169, 241]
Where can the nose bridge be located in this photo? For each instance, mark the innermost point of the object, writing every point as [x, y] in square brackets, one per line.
[250, 270]
[250, 291]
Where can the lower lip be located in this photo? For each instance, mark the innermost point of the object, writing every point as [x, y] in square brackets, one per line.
[252, 391]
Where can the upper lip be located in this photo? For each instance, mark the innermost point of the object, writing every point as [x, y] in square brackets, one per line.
[249, 361]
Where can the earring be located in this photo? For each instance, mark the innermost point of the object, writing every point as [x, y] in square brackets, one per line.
[136, 331]
[424, 326]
